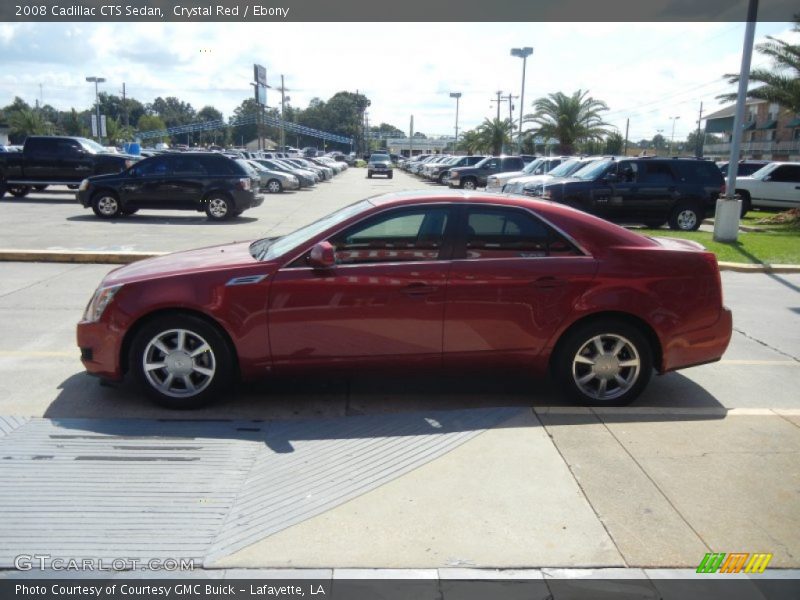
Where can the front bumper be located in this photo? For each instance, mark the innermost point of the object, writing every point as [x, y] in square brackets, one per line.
[100, 349]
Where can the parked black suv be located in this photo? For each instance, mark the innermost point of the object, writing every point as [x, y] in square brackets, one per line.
[201, 181]
[471, 177]
[653, 191]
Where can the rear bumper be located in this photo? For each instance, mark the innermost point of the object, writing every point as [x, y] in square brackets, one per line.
[699, 346]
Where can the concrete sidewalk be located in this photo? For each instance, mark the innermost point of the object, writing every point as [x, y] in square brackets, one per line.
[488, 488]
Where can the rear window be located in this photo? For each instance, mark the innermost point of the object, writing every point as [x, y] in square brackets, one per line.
[222, 165]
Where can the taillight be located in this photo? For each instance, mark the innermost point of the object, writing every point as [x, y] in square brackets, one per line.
[711, 260]
[244, 184]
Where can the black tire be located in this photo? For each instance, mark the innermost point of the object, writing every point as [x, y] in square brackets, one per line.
[73, 186]
[654, 224]
[686, 217]
[3, 189]
[105, 204]
[469, 183]
[40, 188]
[219, 207]
[390, 175]
[747, 203]
[129, 211]
[440, 179]
[274, 186]
[571, 372]
[19, 191]
[369, 174]
[210, 372]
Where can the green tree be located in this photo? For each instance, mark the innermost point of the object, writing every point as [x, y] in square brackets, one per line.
[151, 123]
[470, 142]
[73, 123]
[206, 115]
[614, 143]
[569, 119]
[659, 142]
[494, 134]
[25, 122]
[781, 84]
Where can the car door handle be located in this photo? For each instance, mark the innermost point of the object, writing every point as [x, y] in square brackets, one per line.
[548, 283]
[418, 289]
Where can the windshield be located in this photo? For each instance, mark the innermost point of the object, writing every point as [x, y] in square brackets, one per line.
[593, 170]
[377, 157]
[92, 146]
[531, 166]
[568, 167]
[762, 172]
[269, 248]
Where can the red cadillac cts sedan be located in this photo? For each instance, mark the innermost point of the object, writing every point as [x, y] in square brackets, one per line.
[452, 279]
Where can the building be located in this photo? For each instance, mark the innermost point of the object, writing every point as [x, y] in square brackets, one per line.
[770, 132]
[419, 145]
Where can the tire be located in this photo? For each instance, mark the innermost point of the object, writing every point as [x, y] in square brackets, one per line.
[577, 358]
[129, 211]
[274, 186]
[469, 183]
[3, 189]
[369, 174]
[218, 208]
[40, 188]
[747, 203]
[106, 205]
[654, 224]
[192, 351]
[441, 179]
[390, 175]
[685, 217]
[73, 187]
[19, 191]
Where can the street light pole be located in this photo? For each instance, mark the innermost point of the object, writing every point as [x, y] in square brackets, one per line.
[523, 53]
[97, 80]
[672, 137]
[457, 96]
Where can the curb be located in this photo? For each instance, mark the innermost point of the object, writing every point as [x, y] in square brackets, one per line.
[126, 257]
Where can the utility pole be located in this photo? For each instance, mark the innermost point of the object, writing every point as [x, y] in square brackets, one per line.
[499, 93]
[510, 113]
[698, 151]
[627, 124]
[283, 109]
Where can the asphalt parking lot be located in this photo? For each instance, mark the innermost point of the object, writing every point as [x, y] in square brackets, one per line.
[706, 460]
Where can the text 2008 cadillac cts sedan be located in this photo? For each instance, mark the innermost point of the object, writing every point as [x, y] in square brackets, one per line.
[452, 279]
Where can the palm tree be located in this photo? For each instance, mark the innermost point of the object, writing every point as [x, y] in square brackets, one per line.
[781, 84]
[494, 134]
[569, 119]
[470, 142]
[26, 121]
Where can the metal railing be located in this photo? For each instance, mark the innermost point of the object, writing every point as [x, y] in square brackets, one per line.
[792, 147]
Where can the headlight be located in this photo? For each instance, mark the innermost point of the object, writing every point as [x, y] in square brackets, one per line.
[84, 185]
[101, 299]
[293, 179]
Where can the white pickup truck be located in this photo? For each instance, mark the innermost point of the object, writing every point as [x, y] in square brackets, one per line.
[777, 185]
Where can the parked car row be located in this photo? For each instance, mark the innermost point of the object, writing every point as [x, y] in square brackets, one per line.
[763, 184]
[467, 172]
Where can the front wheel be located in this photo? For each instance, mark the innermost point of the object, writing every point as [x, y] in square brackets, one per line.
[390, 175]
[604, 363]
[19, 191]
[106, 205]
[181, 361]
[218, 208]
[685, 217]
[469, 184]
[274, 186]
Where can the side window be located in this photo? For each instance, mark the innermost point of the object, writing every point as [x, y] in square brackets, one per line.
[474, 160]
[513, 164]
[152, 168]
[38, 146]
[657, 173]
[511, 233]
[627, 172]
[398, 236]
[188, 167]
[492, 164]
[787, 173]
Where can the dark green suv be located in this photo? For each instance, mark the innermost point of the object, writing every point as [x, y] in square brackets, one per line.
[653, 191]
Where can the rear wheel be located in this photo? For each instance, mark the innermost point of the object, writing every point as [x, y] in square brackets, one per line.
[181, 361]
[274, 186]
[606, 363]
[218, 208]
[685, 217]
[747, 204]
[106, 205]
[19, 191]
[441, 178]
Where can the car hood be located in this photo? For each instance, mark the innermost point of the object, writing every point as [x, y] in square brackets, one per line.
[215, 258]
[106, 177]
[531, 179]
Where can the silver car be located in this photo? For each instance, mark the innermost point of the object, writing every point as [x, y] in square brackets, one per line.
[274, 181]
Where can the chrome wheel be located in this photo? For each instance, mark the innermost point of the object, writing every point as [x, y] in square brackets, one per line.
[606, 367]
[217, 208]
[274, 186]
[107, 205]
[469, 185]
[687, 220]
[178, 363]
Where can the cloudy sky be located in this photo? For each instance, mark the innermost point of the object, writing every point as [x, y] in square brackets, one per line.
[647, 72]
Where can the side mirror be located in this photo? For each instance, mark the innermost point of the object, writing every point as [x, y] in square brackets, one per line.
[322, 256]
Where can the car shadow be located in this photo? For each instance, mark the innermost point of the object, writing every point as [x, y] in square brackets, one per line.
[139, 218]
[37, 199]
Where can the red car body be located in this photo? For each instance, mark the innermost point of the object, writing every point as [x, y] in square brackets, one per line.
[451, 305]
